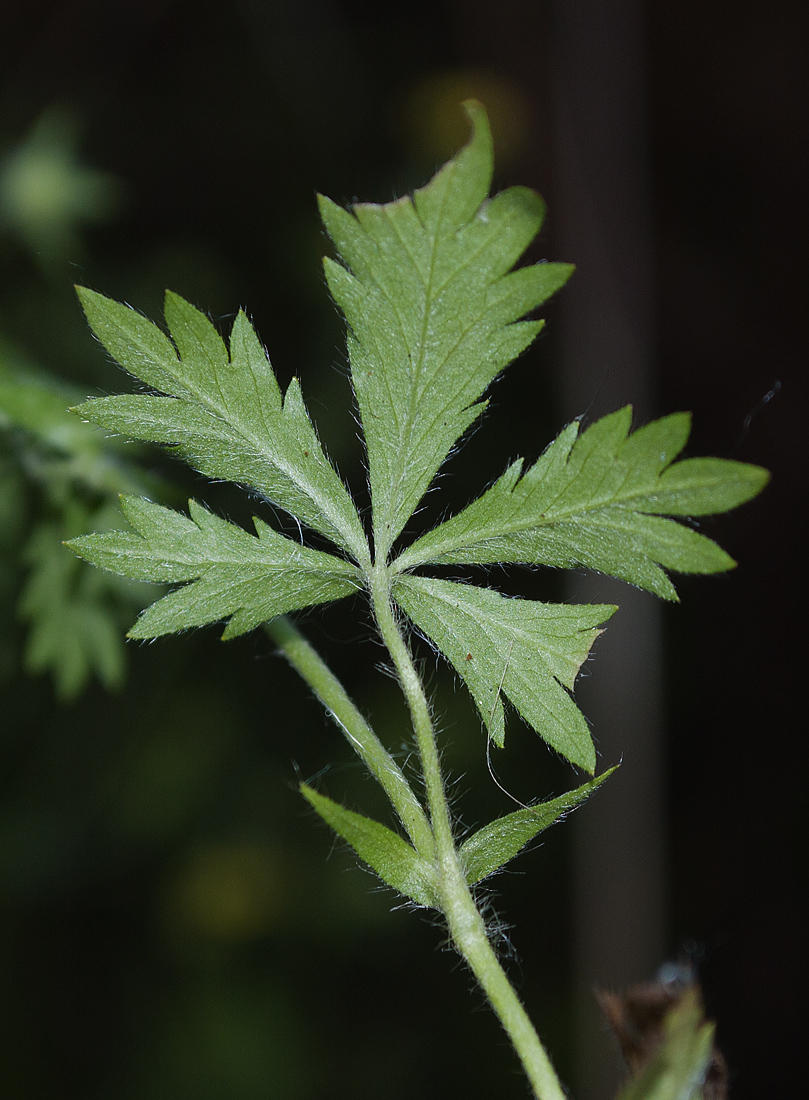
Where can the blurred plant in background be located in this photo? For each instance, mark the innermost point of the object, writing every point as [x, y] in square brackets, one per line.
[48, 194]
[57, 476]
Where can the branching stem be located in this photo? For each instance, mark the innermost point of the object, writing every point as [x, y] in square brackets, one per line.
[316, 673]
[432, 838]
[465, 923]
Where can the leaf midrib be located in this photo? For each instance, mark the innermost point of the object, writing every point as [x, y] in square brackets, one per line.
[258, 556]
[406, 426]
[517, 526]
[293, 473]
[419, 388]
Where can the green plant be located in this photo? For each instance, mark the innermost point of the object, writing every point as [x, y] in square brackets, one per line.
[58, 478]
[435, 312]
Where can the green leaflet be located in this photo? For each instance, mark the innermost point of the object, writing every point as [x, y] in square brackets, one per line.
[224, 413]
[248, 579]
[530, 652]
[678, 1068]
[395, 861]
[434, 315]
[491, 847]
[597, 499]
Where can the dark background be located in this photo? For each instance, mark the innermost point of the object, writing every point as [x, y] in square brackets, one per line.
[173, 921]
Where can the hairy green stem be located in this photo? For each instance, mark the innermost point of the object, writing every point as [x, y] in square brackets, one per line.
[466, 926]
[311, 667]
[417, 704]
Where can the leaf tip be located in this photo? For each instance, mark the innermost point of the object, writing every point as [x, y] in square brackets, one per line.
[476, 111]
[174, 303]
[139, 633]
[481, 127]
[759, 478]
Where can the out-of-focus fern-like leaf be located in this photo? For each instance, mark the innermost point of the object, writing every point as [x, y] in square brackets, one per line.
[435, 313]
[247, 579]
[76, 615]
[600, 499]
[223, 411]
[65, 475]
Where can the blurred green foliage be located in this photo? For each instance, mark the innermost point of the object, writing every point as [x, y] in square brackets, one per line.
[60, 479]
[48, 194]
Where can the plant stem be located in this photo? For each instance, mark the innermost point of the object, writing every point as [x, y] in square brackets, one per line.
[310, 665]
[417, 704]
[466, 925]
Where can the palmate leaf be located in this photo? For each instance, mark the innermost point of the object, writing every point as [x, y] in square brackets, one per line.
[434, 315]
[598, 499]
[245, 578]
[529, 652]
[224, 412]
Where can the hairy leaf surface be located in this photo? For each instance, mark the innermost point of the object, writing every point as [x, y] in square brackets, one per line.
[434, 315]
[223, 412]
[491, 847]
[395, 861]
[528, 651]
[598, 499]
[233, 575]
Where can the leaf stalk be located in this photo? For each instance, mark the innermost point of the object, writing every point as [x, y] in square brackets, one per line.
[466, 925]
[308, 663]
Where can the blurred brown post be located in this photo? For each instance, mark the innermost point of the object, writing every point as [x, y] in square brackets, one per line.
[602, 222]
